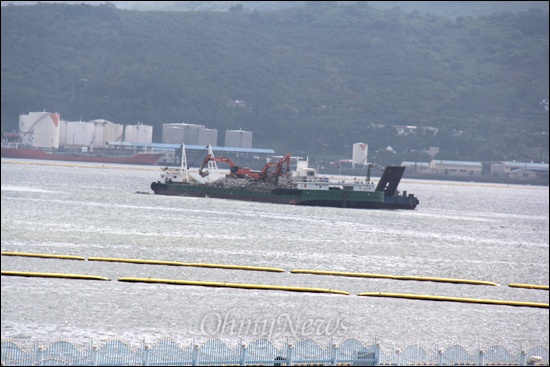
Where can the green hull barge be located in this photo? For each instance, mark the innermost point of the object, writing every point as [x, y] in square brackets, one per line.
[300, 187]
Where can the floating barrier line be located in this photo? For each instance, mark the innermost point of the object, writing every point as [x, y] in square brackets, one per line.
[136, 261]
[529, 286]
[50, 256]
[395, 277]
[177, 263]
[447, 280]
[52, 275]
[232, 285]
[341, 273]
[454, 299]
[237, 267]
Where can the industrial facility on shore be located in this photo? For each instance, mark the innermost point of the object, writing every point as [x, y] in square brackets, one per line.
[47, 131]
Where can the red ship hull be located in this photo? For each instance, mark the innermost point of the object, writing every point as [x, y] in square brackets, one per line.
[139, 158]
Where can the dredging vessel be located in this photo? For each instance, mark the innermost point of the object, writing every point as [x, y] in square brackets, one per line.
[275, 184]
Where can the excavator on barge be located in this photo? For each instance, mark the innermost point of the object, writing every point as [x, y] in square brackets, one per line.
[245, 172]
[275, 184]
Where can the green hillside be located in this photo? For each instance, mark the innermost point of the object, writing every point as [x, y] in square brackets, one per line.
[316, 79]
[447, 9]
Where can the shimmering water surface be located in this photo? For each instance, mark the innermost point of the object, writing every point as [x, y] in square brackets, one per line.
[490, 232]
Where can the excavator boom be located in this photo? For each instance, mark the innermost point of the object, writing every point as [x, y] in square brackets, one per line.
[279, 167]
[241, 172]
[234, 169]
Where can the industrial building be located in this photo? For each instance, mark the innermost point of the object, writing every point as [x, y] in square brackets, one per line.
[496, 170]
[455, 168]
[422, 168]
[520, 170]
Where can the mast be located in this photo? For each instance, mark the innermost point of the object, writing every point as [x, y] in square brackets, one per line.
[184, 169]
[212, 165]
[368, 172]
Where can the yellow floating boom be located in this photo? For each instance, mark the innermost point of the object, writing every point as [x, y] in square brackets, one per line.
[136, 261]
[232, 285]
[237, 267]
[50, 256]
[52, 275]
[528, 286]
[342, 273]
[446, 280]
[395, 277]
[454, 299]
[177, 263]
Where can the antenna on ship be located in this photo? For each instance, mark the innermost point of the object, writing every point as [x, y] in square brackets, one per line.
[368, 172]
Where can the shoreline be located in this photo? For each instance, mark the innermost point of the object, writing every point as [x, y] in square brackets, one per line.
[348, 173]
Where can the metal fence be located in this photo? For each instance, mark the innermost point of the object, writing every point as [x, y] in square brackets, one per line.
[262, 352]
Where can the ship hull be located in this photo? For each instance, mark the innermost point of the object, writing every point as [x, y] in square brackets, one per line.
[139, 158]
[400, 202]
[324, 198]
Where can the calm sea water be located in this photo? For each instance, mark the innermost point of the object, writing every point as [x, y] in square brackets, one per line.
[490, 232]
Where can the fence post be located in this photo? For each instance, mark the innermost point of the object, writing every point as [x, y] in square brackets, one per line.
[195, 358]
[146, 354]
[243, 354]
[95, 355]
[289, 352]
[397, 358]
[440, 357]
[377, 353]
[334, 354]
[481, 358]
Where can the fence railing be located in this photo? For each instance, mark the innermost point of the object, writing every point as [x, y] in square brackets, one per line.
[350, 352]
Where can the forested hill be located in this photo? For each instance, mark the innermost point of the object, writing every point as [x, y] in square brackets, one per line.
[316, 79]
[447, 9]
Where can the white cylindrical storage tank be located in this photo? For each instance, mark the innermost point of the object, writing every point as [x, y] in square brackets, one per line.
[99, 128]
[238, 138]
[40, 129]
[208, 136]
[80, 133]
[192, 134]
[106, 131]
[62, 133]
[172, 133]
[113, 132]
[144, 134]
[359, 156]
[130, 133]
[138, 134]
[181, 133]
